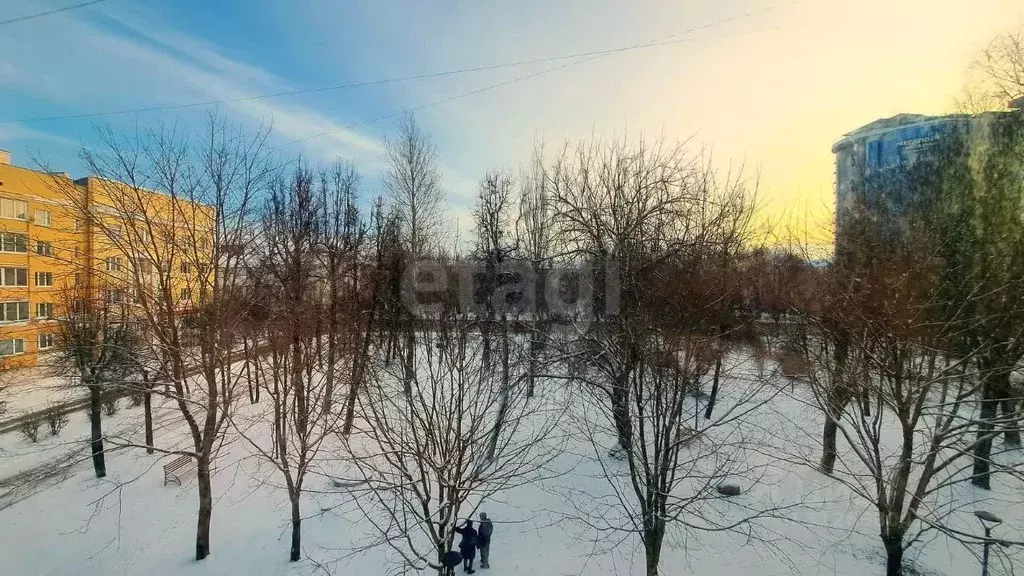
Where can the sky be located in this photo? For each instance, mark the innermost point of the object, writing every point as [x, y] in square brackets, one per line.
[764, 86]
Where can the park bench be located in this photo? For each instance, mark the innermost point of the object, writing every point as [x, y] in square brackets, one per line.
[177, 468]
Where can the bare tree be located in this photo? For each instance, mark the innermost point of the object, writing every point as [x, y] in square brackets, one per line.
[997, 76]
[376, 302]
[535, 243]
[493, 227]
[96, 345]
[909, 444]
[177, 211]
[423, 448]
[494, 233]
[297, 380]
[676, 463]
[613, 207]
[910, 322]
[664, 234]
[341, 244]
[413, 183]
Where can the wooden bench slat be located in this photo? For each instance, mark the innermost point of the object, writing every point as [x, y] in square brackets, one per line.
[175, 465]
[178, 463]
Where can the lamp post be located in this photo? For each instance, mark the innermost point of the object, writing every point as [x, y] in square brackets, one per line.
[988, 521]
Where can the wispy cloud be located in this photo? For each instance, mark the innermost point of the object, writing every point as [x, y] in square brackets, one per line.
[143, 65]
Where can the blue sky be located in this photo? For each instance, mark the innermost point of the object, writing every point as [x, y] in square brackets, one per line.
[769, 85]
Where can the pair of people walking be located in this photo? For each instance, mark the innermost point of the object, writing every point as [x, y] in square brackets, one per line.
[472, 540]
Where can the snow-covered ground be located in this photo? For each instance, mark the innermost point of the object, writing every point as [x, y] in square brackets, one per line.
[130, 523]
[30, 389]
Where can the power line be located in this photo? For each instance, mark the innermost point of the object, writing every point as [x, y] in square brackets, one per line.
[435, 103]
[668, 40]
[596, 55]
[48, 12]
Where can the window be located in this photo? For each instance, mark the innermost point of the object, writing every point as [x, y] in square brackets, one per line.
[186, 267]
[78, 278]
[186, 293]
[44, 248]
[13, 311]
[44, 310]
[45, 341]
[44, 278]
[12, 346]
[14, 277]
[16, 209]
[114, 296]
[44, 218]
[204, 244]
[114, 264]
[13, 242]
[75, 225]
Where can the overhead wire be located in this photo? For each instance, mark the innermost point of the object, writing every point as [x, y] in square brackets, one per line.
[463, 95]
[581, 57]
[49, 12]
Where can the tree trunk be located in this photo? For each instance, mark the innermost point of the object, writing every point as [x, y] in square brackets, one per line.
[95, 402]
[828, 446]
[653, 538]
[620, 416]
[714, 388]
[485, 334]
[893, 556]
[332, 355]
[353, 393]
[503, 397]
[410, 358]
[358, 369]
[532, 376]
[296, 549]
[1011, 425]
[332, 340]
[983, 447]
[205, 507]
[248, 371]
[147, 403]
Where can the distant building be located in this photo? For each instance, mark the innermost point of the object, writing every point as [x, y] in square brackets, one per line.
[873, 151]
[875, 148]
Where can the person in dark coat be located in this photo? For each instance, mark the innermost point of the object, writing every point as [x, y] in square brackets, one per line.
[483, 540]
[467, 547]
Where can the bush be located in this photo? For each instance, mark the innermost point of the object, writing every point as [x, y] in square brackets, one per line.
[110, 405]
[56, 419]
[30, 429]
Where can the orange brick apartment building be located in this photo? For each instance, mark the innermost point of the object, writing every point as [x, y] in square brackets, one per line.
[47, 246]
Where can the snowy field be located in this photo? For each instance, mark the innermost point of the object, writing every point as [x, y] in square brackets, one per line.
[130, 523]
[30, 389]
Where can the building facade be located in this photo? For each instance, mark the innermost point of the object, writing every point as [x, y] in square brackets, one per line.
[61, 238]
[879, 147]
[869, 162]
